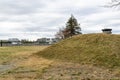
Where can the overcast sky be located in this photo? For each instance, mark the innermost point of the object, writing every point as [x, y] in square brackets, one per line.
[32, 19]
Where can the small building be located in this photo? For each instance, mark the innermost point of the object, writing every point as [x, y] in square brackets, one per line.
[14, 41]
[47, 41]
[54, 40]
[43, 41]
[107, 31]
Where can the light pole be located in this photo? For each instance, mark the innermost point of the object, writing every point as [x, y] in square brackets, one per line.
[1, 43]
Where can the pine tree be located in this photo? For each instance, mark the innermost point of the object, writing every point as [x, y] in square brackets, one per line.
[72, 27]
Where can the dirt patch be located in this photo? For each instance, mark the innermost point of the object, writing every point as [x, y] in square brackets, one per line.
[73, 71]
[5, 67]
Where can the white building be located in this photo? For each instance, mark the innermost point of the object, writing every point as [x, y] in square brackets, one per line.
[43, 41]
[14, 41]
[47, 40]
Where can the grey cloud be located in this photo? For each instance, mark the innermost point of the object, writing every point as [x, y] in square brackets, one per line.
[7, 18]
[116, 31]
[20, 7]
[26, 35]
[46, 17]
[115, 25]
[2, 19]
[3, 34]
[38, 29]
[79, 11]
[51, 26]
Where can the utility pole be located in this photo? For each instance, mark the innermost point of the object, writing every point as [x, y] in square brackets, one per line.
[1, 43]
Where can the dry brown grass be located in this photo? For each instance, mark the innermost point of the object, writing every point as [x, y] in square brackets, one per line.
[95, 49]
[26, 65]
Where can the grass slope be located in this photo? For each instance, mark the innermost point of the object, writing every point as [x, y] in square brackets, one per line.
[95, 49]
[22, 63]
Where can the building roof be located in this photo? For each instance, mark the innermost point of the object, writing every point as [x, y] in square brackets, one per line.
[106, 29]
[13, 40]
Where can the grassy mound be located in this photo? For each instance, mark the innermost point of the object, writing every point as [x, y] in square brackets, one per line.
[95, 49]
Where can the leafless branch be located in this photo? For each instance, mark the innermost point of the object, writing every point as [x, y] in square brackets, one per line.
[113, 3]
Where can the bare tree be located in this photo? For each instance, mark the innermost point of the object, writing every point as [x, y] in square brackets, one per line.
[113, 3]
[60, 34]
[72, 28]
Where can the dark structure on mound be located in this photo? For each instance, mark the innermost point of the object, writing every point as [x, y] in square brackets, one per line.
[107, 31]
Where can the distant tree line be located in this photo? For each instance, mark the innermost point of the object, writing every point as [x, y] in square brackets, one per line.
[72, 28]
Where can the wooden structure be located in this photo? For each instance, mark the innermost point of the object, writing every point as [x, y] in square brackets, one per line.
[107, 31]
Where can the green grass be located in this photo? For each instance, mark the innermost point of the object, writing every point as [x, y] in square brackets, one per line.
[7, 53]
[95, 49]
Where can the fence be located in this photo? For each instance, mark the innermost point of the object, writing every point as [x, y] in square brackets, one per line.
[4, 44]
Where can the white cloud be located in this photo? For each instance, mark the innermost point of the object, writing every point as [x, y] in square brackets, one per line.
[42, 18]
